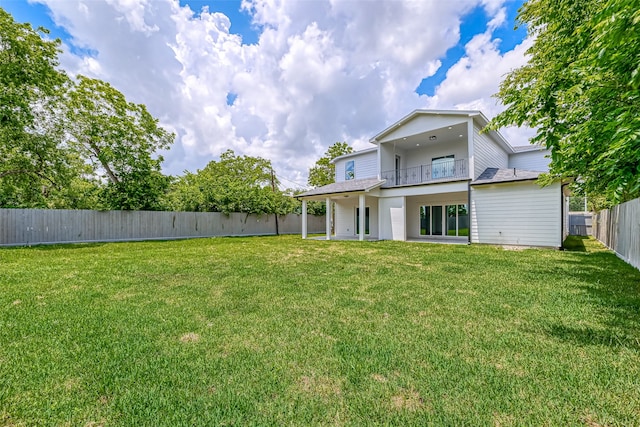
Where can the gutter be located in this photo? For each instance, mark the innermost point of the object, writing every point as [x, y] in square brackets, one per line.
[504, 182]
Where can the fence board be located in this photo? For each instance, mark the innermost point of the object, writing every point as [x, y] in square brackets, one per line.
[41, 226]
[618, 228]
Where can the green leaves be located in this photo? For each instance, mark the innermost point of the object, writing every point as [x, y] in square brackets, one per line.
[31, 165]
[580, 90]
[232, 184]
[324, 172]
[119, 139]
[71, 144]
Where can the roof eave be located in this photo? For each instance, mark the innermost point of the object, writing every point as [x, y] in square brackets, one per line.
[417, 112]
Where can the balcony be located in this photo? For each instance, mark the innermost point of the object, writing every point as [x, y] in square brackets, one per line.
[447, 170]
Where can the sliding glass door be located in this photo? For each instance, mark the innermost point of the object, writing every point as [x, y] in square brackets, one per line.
[449, 220]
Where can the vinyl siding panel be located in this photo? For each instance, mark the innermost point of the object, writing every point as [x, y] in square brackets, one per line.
[487, 153]
[530, 160]
[345, 216]
[516, 214]
[366, 166]
[425, 155]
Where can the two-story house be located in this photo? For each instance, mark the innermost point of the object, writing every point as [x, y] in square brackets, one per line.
[434, 176]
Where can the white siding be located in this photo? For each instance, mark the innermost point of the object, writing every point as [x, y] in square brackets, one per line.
[487, 153]
[392, 218]
[530, 160]
[517, 214]
[424, 156]
[366, 165]
[345, 216]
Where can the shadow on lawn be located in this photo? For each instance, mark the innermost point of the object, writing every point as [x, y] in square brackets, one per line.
[611, 285]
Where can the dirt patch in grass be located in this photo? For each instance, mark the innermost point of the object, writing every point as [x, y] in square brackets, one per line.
[379, 378]
[321, 386]
[190, 337]
[589, 421]
[409, 400]
[72, 384]
[501, 420]
[514, 248]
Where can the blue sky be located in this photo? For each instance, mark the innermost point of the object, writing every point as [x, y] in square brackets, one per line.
[286, 79]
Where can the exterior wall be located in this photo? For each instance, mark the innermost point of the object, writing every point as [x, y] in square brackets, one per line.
[520, 213]
[424, 155]
[366, 165]
[487, 153]
[530, 160]
[392, 218]
[414, 203]
[43, 226]
[345, 216]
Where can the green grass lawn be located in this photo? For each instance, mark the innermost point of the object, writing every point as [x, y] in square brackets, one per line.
[284, 331]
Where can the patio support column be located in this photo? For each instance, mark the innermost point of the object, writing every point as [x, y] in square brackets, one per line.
[362, 217]
[304, 219]
[329, 215]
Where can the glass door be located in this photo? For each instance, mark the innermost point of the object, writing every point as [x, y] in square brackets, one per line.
[366, 220]
[447, 220]
[436, 220]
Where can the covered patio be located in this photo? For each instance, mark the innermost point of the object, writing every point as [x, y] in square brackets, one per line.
[358, 189]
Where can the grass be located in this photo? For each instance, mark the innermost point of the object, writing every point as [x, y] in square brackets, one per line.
[281, 331]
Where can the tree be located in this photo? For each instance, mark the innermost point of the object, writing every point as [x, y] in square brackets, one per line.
[232, 184]
[324, 172]
[32, 165]
[580, 91]
[120, 140]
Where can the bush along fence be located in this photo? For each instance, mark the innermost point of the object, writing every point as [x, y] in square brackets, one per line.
[619, 229]
[44, 226]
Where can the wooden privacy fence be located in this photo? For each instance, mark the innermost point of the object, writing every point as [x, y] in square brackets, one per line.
[619, 229]
[42, 226]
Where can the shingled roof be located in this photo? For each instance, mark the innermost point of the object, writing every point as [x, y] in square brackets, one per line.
[495, 176]
[345, 187]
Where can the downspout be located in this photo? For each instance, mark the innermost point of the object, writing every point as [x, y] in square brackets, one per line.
[469, 208]
[562, 213]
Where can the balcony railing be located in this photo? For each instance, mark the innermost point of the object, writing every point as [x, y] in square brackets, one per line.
[437, 172]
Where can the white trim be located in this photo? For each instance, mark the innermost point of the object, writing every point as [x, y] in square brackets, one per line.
[328, 218]
[304, 219]
[362, 217]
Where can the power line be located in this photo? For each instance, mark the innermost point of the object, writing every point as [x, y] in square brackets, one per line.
[304, 186]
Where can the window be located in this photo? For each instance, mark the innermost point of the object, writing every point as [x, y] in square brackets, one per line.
[349, 170]
[366, 220]
[425, 220]
[443, 167]
[449, 220]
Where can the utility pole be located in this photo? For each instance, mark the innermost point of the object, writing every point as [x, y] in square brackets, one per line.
[273, 188]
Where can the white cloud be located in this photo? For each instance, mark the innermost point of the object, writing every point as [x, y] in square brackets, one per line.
[322, 71]
[472, 81]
